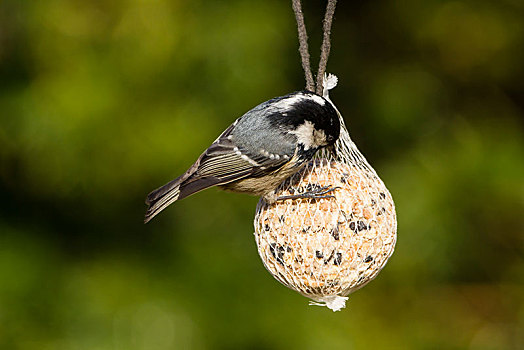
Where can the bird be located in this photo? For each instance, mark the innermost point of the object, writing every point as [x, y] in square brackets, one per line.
[256, 153]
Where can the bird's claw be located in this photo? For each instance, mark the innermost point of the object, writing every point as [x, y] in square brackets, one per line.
[318, 193]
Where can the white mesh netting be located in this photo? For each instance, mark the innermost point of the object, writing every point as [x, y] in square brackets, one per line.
[327, 248]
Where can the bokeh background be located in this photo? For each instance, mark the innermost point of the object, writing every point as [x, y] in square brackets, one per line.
[103, 101]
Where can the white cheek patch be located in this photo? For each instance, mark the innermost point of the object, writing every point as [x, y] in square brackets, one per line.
[305, 134]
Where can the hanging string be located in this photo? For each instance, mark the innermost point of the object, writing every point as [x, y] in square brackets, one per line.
[303, 46]
[326, 44]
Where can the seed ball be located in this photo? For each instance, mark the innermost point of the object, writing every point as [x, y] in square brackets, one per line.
[326, 248]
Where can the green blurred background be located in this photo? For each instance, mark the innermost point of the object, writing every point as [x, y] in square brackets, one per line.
[101, 102]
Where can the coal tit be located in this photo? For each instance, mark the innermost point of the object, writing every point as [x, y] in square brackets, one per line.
[258, 151]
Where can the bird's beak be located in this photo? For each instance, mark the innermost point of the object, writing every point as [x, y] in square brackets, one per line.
[331, 149]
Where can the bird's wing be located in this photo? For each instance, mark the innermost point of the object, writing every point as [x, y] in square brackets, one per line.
[174, 184]
[223, 162]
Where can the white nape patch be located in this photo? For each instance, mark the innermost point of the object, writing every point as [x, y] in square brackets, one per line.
[309, 136]
[289, 102]
[318, 100]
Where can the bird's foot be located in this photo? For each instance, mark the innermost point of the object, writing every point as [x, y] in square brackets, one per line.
[317, 193]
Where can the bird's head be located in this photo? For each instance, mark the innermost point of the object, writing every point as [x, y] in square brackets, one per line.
[311, 118]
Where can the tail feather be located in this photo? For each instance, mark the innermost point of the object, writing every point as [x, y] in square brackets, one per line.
[179, 188]
[184, 186]
[162, 197]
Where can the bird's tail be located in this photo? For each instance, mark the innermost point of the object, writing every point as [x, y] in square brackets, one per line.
[161, 198]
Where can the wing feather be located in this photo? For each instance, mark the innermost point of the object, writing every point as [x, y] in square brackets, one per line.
[223, 162]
